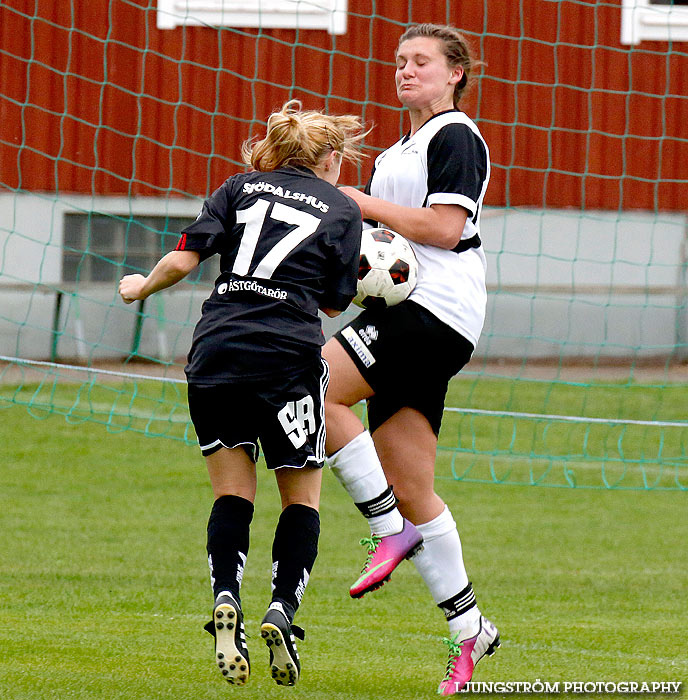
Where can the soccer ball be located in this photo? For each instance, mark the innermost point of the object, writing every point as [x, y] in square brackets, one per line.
[387, 270]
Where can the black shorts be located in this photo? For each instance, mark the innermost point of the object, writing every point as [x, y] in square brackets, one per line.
[408, 356]
[286, 415]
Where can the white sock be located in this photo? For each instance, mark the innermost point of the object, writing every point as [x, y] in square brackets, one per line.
[358, 469]
[440, 563]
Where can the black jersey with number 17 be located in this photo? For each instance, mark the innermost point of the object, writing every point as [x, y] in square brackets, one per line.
[289, 244]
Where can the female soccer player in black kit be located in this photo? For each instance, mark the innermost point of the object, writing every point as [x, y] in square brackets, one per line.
[289, 245]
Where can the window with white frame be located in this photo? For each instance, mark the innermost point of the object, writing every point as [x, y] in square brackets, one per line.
[100, 247]
[329, 15]
[654, 20]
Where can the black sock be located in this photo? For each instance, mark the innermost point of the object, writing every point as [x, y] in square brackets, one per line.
[294, 551]
[228, 539]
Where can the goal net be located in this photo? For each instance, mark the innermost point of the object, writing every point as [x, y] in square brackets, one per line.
[120, 116]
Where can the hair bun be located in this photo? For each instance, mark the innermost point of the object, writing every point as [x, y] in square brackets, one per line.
[305, 138]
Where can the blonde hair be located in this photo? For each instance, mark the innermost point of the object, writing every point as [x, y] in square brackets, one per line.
[304, 138]
[455, 48]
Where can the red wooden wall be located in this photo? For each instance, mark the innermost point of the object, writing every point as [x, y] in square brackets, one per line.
[95, 99]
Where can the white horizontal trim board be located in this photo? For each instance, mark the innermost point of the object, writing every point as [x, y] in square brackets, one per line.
[328, 15]
[643, 20]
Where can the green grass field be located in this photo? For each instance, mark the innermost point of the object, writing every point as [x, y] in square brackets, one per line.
[104, 583]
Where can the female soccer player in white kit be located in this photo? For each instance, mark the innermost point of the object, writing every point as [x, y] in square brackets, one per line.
[429, 187]
[289, 245]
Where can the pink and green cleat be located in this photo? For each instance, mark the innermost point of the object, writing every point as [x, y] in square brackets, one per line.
[464, 654]
[384, 555]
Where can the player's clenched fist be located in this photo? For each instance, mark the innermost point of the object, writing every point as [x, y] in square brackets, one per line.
[130, 287]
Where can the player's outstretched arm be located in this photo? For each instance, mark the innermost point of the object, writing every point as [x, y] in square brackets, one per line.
[169, 270]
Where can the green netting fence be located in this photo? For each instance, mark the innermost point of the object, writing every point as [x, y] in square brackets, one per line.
[120, 116]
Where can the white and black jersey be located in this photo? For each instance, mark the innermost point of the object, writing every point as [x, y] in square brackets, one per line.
[289, 244]
[445, 162]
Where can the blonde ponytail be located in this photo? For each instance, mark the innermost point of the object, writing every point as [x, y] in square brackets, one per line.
[304, 138]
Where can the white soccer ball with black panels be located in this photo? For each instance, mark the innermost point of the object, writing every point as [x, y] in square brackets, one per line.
[387, 271]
